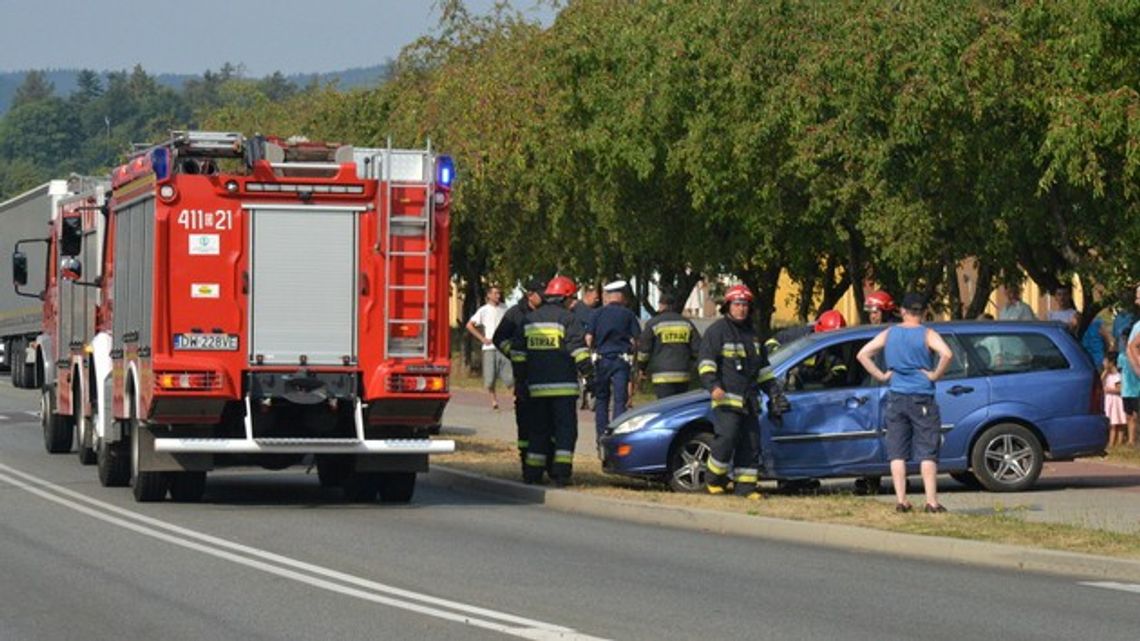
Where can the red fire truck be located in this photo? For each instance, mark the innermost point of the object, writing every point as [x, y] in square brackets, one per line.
[70, 317]
[271, 303]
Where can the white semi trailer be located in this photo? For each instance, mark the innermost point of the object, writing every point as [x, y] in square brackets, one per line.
[27, 215]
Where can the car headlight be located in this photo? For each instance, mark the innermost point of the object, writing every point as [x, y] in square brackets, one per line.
[635, 423]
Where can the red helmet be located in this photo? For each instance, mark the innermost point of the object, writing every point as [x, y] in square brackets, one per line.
[829, 320]
[880, 300]
[561, 286]
[738, 292]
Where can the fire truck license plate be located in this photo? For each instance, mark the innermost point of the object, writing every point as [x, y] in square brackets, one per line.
[217, 342]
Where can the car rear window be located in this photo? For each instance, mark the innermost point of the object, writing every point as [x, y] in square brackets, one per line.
[1015, 352]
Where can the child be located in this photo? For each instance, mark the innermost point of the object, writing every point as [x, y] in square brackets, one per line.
[1113, 403]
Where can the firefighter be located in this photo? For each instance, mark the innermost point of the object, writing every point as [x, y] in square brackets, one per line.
[880, 307]
[613, 337]
[555, 347]
[668, 349]
[826, 368]
[733, 368]
[504, 334]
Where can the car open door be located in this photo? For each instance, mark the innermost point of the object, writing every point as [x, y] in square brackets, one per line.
[833, 427]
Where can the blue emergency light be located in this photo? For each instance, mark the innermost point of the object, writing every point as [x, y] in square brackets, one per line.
[444, 171]
[160, 162]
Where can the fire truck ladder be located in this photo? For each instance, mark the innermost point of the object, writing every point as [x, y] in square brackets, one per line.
[408, 226]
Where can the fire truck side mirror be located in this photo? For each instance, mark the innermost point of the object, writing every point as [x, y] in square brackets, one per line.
[71, 236]
[19, 268]
[70, 268]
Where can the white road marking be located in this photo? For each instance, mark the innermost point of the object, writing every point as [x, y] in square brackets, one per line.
[279, 565]
[1113, 585]
[3, 417]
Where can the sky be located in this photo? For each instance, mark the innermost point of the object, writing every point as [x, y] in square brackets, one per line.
[191, 36]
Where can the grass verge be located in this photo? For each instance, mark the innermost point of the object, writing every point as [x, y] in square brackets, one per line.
[499, 459]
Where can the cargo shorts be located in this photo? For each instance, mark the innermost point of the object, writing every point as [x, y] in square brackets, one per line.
[914, 427]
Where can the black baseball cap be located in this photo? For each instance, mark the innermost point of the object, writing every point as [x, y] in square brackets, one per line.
[914, 302]
[535, 285]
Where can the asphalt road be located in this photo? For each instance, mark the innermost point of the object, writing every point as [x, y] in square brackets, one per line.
[271, 555]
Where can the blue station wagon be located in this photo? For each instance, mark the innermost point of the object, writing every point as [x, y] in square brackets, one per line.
[1016, 394]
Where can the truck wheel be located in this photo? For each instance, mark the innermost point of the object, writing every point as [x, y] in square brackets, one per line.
[1007, 458]
[187, 487]
[15, 366]
[147, 487]
[59, 431]
[113, 462]
[332, 470]
[84, 437]
[361, 487]
[397, 487]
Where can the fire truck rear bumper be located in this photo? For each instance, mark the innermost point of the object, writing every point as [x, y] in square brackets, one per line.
[301, 446]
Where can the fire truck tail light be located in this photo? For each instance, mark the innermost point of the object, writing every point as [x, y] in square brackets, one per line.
[415, 383]
[167, 192]
[232, 186]
[406, 330]
[189, 380]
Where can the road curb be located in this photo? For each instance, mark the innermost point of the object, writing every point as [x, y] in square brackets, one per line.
[849, 537]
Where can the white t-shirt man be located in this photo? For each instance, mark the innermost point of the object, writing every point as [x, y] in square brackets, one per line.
[488, 317]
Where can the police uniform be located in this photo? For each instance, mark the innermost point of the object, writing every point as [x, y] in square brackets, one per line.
[554, 349]
[614, 329]
[503, 339]
[667, 350]
[732, 358]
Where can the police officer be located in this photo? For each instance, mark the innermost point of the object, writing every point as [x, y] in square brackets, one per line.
[503, 337]
[613, 337]
[555, 348]
[668, 348]
[732, 368]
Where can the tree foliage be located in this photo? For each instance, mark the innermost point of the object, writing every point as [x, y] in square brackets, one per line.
[846, 142]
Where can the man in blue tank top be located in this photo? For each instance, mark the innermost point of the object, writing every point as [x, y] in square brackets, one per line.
[914, 425]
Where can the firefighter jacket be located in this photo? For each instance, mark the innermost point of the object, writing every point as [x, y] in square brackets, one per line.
[733, 359]
[668, 348]
[504, 336]
[553, 345]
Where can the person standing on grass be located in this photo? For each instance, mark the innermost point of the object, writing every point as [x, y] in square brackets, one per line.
[914, 424]
[495, 364]
[1113, 403]
[1131, 384]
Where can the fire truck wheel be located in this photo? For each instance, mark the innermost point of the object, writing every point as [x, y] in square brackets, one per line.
[59, 431]
[187, 487]
[83, 441]
[113, 462]
[397, 487]
[362, 487]
[147, 487]
[332, 470]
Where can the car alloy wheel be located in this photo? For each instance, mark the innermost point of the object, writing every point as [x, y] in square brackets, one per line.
[1007, 458]
[688, 465]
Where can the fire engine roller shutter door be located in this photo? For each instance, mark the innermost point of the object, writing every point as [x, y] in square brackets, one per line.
[303, 284]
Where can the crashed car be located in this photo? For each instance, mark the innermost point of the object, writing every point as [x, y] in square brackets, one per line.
[1016, 394]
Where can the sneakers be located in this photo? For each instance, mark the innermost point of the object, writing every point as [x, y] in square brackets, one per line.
[934, 509]
[903, 508]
